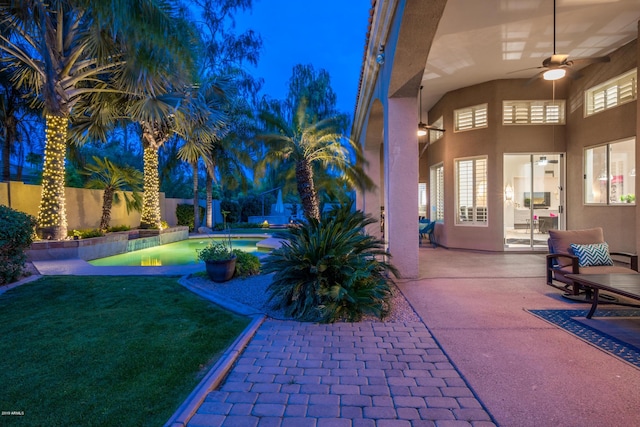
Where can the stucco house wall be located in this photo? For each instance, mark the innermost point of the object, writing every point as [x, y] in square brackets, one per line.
[619, 222]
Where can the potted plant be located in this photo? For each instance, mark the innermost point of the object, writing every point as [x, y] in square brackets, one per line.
[219, 260]
[629, 198]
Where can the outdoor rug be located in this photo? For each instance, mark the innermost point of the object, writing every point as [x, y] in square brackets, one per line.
[615, 331]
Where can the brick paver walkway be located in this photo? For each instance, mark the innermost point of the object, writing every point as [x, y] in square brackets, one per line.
[367, 374]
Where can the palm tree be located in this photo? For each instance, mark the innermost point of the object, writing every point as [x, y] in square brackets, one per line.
[302, 142]
[202, 125]
[114, 180]
[14, 109]
[65, 50]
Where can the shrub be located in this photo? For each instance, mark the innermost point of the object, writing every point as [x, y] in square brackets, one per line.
[184, 214]
[249, 206]
[246, 264]
[331, 269]
[16, 235]
[86, 233]
[119, 228]
[245, 225]
[232, 208]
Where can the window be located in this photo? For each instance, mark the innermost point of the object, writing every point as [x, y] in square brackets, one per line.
[609, 173]
[435, 135]
[471, 191]
[470, 118]
[422, 199]
[612, 93]
[436, 182]
[533, 112]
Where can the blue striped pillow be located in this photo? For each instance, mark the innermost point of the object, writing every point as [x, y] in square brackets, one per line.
[592, 255]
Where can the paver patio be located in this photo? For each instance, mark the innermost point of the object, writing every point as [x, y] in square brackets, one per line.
[343, 374]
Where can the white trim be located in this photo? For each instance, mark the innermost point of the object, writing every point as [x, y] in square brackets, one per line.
[617, 91]
[469, 118]
[474, 210]
[533, 112]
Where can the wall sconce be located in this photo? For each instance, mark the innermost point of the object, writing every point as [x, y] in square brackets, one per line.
[508, 193]
[380, 55]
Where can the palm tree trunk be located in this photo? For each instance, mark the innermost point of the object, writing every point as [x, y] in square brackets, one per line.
[209, 185]
[196, 199]
[10, 131]
[52, 214]
[150, 216]
[107, 203]
[306, 190]
[6, 154]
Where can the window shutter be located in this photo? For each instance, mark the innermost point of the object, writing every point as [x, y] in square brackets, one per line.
[612, 93]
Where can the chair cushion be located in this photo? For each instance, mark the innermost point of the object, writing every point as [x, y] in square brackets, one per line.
[592, 255]
[560, 240]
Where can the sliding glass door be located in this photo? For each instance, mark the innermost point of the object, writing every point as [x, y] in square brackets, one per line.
[533, 199]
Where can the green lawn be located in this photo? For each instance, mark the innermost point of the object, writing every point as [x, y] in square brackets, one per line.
[105, 351]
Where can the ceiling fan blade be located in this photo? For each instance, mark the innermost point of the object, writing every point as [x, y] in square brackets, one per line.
[536, 77]
[524, 69]
[581, 62]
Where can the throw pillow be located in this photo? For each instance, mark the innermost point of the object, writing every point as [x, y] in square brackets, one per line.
[592, 255]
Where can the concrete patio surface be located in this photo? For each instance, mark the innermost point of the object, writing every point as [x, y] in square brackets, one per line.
[526, 371]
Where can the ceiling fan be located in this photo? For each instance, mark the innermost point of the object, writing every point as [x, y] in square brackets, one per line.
[543, 161]
[557, 65]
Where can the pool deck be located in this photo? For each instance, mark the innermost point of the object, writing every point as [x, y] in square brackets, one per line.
[80, 267]
[268, 241]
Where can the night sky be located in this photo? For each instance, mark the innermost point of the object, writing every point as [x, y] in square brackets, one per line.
[328, 34]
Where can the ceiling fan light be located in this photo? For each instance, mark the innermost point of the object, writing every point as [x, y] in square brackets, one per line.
[422, 129]
[554, 74]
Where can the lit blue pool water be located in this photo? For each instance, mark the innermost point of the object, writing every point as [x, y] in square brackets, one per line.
[183, 252]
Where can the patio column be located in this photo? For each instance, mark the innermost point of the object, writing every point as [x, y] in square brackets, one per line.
[401, 184]
[370, 201]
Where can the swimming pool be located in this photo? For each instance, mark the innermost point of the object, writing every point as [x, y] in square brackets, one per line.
[183, 252]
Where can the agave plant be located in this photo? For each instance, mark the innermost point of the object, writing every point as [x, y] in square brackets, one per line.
[331, 270]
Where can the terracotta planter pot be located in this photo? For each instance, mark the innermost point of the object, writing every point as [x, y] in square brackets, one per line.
[221, 271]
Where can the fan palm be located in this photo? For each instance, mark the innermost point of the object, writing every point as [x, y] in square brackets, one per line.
[302, 142]
[65, 50]
[201, 127]
[152, 92]
[14, 109]
[114, 180]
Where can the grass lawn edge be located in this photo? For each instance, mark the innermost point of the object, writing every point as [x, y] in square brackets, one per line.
[215, 376]
[212, 376]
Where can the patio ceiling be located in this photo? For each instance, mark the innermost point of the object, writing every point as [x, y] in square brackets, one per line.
[479, 41]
